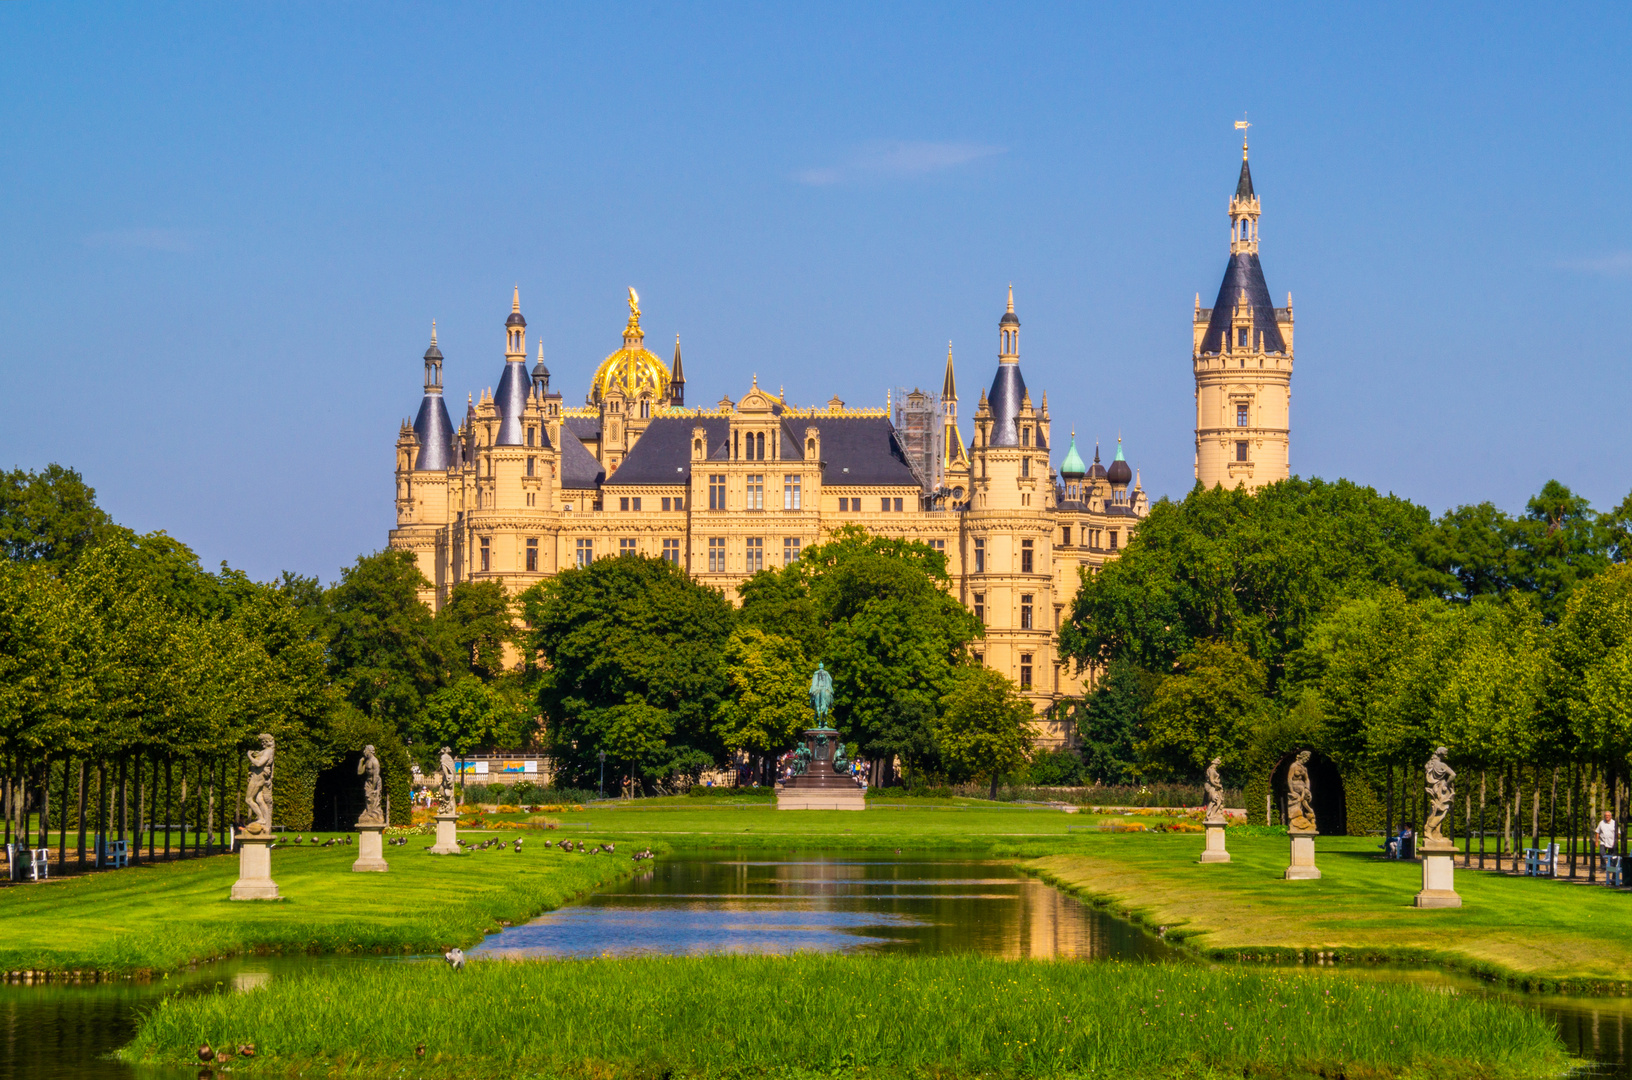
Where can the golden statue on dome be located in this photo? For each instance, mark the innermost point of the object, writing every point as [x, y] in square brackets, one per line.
[632, 370]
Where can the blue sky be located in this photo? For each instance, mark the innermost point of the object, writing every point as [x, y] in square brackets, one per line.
[227, 229]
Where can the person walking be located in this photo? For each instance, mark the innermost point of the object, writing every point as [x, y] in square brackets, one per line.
[1604, 832]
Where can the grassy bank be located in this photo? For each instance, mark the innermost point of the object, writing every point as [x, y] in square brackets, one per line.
[1544, 935]
[948, 1016]
[158, 917]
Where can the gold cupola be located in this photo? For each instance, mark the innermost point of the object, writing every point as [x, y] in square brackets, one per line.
[632, 370]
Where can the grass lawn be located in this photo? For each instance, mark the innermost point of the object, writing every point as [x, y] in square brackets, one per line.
[161, 916]
[816, 1015]
[1541, 933]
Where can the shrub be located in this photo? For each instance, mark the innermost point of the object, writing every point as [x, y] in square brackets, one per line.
[1055, 768]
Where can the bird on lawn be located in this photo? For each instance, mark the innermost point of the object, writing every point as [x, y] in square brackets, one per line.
[609, 848]
[246, 1050]
[205, 1053]
[455, 959]
[419, 1051]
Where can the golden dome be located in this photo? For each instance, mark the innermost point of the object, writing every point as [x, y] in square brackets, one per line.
[632, 369]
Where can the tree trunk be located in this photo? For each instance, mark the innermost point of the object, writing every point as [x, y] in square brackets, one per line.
[1388, 810]
[1572, 802]
[1535, 807]
[169, 803]
[994, 787]
[124, 795]
[1481, 819]
[207, 795]
[82, 815]
[62, 842]
[45, 803]
[141, 818]
[1552, 823]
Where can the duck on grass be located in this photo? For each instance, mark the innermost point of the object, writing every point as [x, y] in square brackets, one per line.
[882, 1017]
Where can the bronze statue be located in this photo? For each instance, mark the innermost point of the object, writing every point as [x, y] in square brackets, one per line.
[1214, 788]
[1300, 804]
[259, 795]
[1440, 796]
[821, 692]
[369, 769]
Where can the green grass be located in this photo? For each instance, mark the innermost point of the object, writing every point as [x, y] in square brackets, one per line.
[812, 1014]
[1541, 934]
[161, 916]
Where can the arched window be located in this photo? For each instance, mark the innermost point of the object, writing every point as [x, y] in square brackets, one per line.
[697, 446]
[759, 446]
[810, 446]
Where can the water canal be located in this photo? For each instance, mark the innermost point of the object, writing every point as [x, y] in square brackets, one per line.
[690, 907]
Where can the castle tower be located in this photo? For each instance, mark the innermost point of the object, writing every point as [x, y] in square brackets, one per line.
[1242, 359]
[954, 458]
[677, 379]
[511, 400]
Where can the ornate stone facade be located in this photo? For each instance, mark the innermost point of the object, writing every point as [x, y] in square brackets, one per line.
[527, 486]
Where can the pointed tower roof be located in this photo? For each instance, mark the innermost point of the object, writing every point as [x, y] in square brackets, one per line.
[515, 318]
[514, 385]
[432, 426]
[1072, 465]
[949, 385]
[1008, 397]
[1009, 317]
[1243, 186]
[1119, 473]
[1243, 274]
[1096, 471]
[679, 373]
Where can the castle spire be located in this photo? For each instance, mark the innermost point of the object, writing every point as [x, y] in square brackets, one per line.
[949, 385]
[677, 378]
[511, 400]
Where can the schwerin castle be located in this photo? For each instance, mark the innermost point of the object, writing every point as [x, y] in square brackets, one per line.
[528, 485]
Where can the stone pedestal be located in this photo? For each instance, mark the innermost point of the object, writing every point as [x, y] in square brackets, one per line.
[447, 833]
[255, 869]
[1214, 852]
[370, 850]
[1302, 865]
[1438, 872]
[818, 785]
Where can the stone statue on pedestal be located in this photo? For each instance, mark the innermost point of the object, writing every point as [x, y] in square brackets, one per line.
[1441, 795]
[1300, 803]
[445, 785]
[1214, 787]
[369, 769]
[258, 797]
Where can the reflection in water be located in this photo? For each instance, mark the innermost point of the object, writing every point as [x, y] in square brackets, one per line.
[834, 905]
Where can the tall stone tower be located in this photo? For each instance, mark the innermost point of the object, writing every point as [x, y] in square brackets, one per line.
[1242, 356]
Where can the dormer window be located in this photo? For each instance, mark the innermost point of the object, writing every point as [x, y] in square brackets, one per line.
[1241, 337]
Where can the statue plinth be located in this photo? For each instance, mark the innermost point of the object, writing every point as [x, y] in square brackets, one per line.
[447, 835]
[1301, 865]
[255, 868]
[816, 783]
[1438, 874]
[1214, 851]
[370, 849]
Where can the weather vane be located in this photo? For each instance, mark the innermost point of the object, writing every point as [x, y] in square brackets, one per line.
[1242, 125]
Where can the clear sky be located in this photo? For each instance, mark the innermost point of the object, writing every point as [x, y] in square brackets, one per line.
[226, 229]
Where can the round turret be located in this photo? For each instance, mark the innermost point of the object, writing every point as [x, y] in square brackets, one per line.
[1119, 474]
[1072, 467]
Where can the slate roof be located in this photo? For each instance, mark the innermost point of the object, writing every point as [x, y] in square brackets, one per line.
[1243, 272]
[579, 469]
[585, 427]
[1008, 390]
[662, 454]
[435, 432]
[511, 401]
[1243, 186]
[859, 451]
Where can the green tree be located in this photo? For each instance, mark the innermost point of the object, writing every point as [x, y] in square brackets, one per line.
[1207, 708]
[49, 517]
[1111, 722]
[471, 715]
[383, 653]
[1255, 569]
[984, 732]
[1470, 552]
[1561, 543]
[475, 625]
[635, 655]
[769, 699]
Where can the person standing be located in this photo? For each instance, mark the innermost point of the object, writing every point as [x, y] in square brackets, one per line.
[1604, 832]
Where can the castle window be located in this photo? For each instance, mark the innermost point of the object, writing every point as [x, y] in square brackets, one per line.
[671, 552]
[1065, 535]
[626, 545]
[898, 506]
[756, 492]
[716, 491]
[938, 545]
[666, 503]
[1112, 535]
[1056, 630]
[790, 550]
[1025, 659]
[487, 554]
[716, 554]
[1240, 416]
[1025, 466]
[529, 441]
[623, 503]
[980, 607]
[790, 492]
[1025, 547]
[532, 557]
[884, 505]
[810, 446]
[980, 554]
[634, 504]
[1025, 436]
[755, 561]
[1241, 450]
[1241, 335]
[530, 462]
[844, 506]
[586, 552]
[645, 408]
[697, 446]
[759, 446]
[1025, 611]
